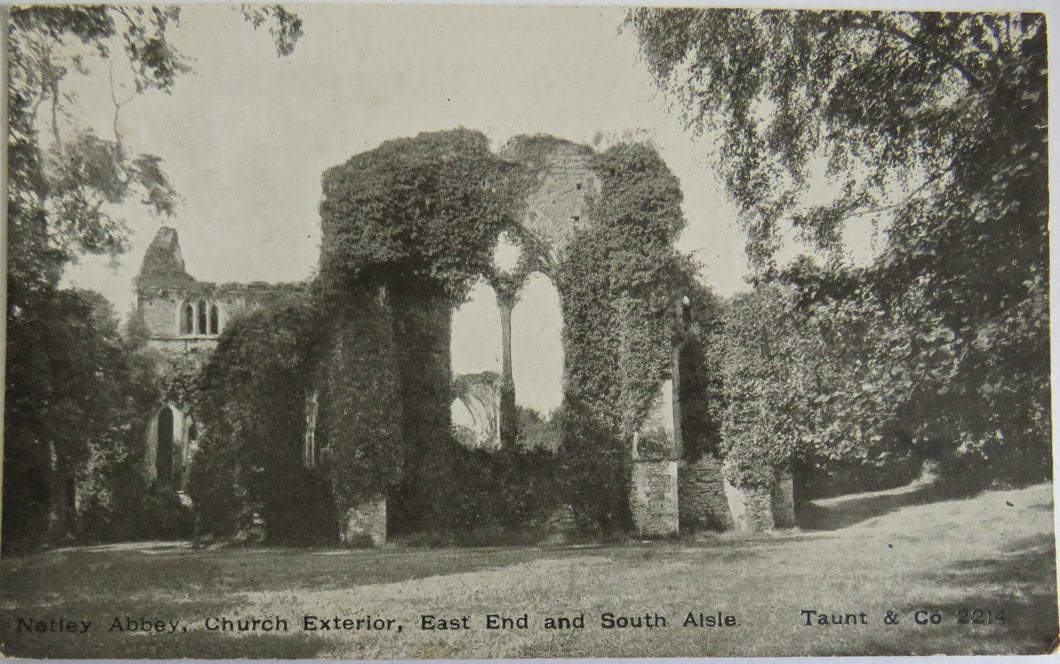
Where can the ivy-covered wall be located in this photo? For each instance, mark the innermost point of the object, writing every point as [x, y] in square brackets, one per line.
[251, 402]
[618, 284]
[360, 442]
[408, 228]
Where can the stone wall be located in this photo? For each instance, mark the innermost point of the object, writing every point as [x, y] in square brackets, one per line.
[763, 509]
[555, 208]
[365, 524]
[159, 309]
[752, 508]
[701, 496]
[164, 288]
[653, 497]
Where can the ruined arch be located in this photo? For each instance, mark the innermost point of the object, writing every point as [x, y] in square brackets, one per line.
[414, 221]
[480, 394]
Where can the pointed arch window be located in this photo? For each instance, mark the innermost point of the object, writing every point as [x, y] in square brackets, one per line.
[214, 319]
[202, 317]
[187, 319]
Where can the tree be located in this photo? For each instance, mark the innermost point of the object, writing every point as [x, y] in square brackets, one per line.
[65, 179]
[933, 122]
[65, 183]
[80, 389]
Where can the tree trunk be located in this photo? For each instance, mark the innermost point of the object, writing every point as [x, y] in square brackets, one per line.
[56, 501]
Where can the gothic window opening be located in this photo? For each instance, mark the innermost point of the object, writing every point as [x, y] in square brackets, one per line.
[309, 447]
[164, 447]
[214, 324]
[187, 320]
[202, 317]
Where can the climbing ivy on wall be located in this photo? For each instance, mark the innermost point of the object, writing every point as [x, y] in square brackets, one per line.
[422, 212]
[407, 229]
[701, 390]
[417, 217]
[619, 287]
[362, 450]
[251, 404]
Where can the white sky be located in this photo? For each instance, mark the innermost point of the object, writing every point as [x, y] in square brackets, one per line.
[246, 138]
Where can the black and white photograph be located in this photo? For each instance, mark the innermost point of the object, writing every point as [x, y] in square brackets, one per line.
[475, 332]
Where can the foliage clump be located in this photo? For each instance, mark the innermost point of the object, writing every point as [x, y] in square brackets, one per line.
[619, 289]
[423, 212]
[251, 402]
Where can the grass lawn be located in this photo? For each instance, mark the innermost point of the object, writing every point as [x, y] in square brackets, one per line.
[889, 551]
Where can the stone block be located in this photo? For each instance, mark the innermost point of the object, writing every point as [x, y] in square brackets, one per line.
[701, 496]
[365, 524]
[653, 497]
[752, 508]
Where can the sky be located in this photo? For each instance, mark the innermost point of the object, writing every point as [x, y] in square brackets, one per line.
[246, 137]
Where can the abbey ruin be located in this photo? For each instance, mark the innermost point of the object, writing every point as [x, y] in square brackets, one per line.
[670, 484]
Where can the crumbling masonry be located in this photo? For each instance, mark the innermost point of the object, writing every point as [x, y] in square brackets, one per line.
[184, 317]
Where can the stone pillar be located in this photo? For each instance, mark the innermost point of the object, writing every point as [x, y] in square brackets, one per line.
[653, 498]
[702, 502]
[365, 523]
[422, 320]
[506, 413]
[751, 508]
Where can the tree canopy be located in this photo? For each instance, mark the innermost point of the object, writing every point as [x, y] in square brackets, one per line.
[933, 124]
[65, 179]
[77, 393]
[940, 118]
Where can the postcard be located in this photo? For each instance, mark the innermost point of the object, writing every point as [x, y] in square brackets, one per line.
[473, 332]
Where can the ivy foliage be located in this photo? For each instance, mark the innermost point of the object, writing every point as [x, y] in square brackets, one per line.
[823, 373]
[619, 286]
[700, 355]
[363, 451]
[421, 212]
[408, 227]
[251, 403]
[799, 383]
[418, 217]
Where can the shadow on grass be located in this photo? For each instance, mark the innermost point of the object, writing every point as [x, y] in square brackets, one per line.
[844, 511]
[189, 586]
[1009, 607]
